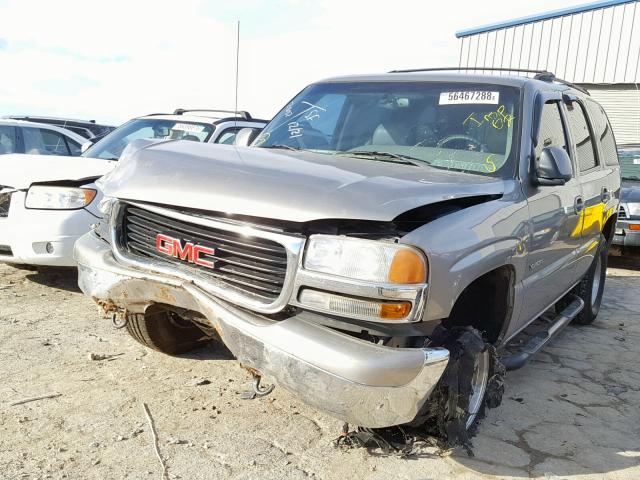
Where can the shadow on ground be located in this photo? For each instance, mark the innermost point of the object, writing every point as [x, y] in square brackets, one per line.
[63, 278]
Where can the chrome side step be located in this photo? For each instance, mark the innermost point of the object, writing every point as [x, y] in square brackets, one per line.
[542, 337]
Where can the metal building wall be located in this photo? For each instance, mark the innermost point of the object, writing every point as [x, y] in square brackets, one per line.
[595, 45]
[622, 104]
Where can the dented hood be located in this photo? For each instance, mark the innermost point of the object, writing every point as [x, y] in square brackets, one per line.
[20, 171]
[288, 185]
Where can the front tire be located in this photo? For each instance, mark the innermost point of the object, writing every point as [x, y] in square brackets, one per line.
[165, 331]
[472, 381]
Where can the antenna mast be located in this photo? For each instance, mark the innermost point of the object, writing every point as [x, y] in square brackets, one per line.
[237, 67]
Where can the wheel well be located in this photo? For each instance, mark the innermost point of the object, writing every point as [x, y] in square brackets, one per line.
[609, 228]
[486, 304]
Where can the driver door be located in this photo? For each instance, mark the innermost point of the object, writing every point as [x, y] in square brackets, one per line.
[555, 225]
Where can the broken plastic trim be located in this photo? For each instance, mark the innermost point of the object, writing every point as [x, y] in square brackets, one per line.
[443, 419]
[416, 217]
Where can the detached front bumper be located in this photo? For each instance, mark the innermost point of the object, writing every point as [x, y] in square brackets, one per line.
[626, 237]
[357, 381]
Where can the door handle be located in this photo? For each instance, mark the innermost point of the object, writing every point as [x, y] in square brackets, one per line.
[605, 195]
[578, 205]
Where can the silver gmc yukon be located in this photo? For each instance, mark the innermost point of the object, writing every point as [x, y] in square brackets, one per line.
[378, 246]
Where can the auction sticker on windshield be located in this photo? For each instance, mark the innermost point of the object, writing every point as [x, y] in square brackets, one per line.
[469, 97]
[188, 127]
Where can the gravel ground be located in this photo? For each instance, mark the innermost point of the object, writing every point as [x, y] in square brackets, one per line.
[571, 413]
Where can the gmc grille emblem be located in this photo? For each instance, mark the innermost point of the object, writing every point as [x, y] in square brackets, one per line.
[187, 252]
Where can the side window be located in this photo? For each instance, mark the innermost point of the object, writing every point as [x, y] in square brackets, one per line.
[74, 147]
[585, 148]
[603, 132]
[228, 136]
[7, 139]
[551, 129]
[39, 141]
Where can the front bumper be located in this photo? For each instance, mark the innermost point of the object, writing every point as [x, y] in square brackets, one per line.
[356, 381]
[626, 237]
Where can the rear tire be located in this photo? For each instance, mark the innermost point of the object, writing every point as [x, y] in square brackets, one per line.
[591, 287]
[165, 331]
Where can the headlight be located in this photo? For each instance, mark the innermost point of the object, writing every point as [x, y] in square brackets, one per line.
[633, 209]
[368, 260]
[58, 198]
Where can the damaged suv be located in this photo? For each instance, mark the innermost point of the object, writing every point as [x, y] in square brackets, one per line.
[377, 246]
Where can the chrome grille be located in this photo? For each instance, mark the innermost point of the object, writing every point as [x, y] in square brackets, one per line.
[5, 200]
[622, 213]
[252, 265]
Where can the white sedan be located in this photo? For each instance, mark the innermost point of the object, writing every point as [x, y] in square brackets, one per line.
[40, 216]
[48, 202]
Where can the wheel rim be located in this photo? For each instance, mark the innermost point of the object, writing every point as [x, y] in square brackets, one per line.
[595, 285]
[479, 386]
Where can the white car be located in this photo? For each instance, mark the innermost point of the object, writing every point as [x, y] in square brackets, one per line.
[47, 202]
[18, 136]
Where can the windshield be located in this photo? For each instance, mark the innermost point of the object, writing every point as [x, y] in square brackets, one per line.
[630, 164]
[453, 126]
[111, 146]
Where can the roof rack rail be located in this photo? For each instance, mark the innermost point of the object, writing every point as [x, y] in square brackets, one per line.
[241, 113]
[550, 77]
[491, 69]
[542, 75]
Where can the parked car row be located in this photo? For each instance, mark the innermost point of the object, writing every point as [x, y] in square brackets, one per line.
[628, 227]
[20, 136]
[85, 128]
[48, 202]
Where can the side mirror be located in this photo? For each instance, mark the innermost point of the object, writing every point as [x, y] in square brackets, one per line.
[85, 146]
[246, 136]
[554, 167]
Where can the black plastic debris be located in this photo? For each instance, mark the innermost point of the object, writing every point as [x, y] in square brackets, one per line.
[442, 420]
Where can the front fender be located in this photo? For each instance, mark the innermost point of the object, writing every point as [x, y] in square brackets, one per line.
[467, 244]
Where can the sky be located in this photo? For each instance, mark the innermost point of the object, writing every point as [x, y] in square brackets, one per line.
[112, 61]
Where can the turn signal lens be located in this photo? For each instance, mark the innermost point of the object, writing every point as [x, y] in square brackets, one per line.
[635, 227]
[354, 307]
[394, 311]
[408, 267]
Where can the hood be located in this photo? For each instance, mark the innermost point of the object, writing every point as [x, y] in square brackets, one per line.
[287, 185]
[630, 191]
[20, 171]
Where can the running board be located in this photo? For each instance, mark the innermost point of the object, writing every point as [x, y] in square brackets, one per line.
[542, 337]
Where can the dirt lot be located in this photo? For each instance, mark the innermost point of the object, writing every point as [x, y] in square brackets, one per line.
[572, 413]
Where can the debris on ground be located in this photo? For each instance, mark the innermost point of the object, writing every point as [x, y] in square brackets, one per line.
[34, 399]
[197, 382]
[101, 356]
[176, 441]
[154, 437]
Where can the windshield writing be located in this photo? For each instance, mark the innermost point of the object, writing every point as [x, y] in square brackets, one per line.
[461, 127]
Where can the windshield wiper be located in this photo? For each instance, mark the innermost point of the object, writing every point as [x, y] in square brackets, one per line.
[282, 146]
[385, 157]
[632, 177]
